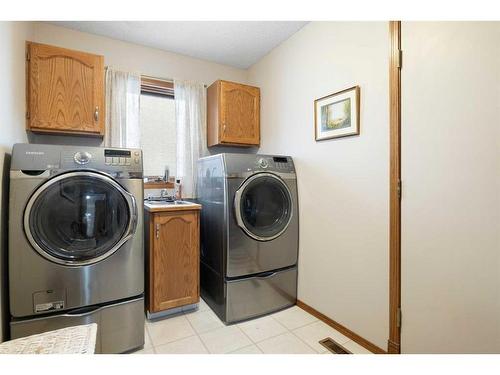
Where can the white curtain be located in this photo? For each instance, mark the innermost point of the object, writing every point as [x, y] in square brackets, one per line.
[123, 91]
[190, 117]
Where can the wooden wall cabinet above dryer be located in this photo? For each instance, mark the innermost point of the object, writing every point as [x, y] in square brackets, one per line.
[233, 114]
[65, 91]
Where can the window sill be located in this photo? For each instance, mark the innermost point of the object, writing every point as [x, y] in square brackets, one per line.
[158, 185]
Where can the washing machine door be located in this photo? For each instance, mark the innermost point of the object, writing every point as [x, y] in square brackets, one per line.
[79, 218]
[263, 206]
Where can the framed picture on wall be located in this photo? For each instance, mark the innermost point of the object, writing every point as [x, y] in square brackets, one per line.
[337, 115]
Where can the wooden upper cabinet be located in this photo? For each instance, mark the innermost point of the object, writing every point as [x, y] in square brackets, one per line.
[65, 91]
[233, 114]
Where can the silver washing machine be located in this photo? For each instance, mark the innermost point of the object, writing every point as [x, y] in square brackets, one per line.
[76, 252]
[249, 234]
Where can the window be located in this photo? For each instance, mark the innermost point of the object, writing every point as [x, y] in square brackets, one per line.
[158, 132]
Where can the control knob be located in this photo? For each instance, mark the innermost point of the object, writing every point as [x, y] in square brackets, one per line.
[82, 157]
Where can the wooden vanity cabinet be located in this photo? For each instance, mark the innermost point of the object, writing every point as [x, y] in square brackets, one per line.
[64, 91]
[233, 114]
[173, 258]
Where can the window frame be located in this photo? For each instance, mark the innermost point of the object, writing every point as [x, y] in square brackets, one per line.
[159, 87]
[156, 86]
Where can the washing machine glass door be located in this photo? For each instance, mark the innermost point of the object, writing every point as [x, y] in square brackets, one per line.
[263, 206]
[79, 218]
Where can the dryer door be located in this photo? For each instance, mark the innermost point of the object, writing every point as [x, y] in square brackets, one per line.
[79, 218]
[263, 206]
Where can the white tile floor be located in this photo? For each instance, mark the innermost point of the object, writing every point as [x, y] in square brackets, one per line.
[291, 331]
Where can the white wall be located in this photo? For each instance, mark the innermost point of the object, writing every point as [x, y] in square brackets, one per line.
[343, 183]
[12, 109]
[451, 187]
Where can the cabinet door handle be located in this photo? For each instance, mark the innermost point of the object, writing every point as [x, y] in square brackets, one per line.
[157, 231]
[96, 113]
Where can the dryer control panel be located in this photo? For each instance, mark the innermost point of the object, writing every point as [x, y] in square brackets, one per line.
[282, 164]
[243, 164]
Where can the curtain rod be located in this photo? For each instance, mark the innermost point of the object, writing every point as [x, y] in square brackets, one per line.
[158, 78]
[169, 80]
[163, 79]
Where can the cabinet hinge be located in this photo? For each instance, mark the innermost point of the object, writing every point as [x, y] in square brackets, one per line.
[400, 188]
[157, 231]
[399, 318]
[400, 59]
[28, 54]
[27, 115]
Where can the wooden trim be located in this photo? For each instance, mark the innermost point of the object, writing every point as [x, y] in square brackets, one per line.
[157, 86]
[27, 84]
[159, 185]
[66, 132]
[394, 342]
[213, 111]
[339, 327]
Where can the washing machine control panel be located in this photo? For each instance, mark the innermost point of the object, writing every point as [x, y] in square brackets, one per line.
[119, 162]
[110, 160]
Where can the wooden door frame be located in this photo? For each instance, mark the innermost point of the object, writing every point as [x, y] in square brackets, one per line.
[395, 65]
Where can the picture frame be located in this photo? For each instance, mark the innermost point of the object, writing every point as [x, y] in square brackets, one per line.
[337, 115]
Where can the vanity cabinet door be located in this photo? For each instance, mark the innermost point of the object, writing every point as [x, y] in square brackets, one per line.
[65, 91]
[175, 260]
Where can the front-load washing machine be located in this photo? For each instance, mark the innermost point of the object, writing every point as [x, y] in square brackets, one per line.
[76, 252]
[249, 234]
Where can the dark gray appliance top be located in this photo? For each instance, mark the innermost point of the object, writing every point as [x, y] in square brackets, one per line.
[240, 163]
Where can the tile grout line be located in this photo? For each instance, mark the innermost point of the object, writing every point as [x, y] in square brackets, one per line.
[302, 326]
[267, 338]
[314, 350]
[197, 334]
[248, 337]
[211, 329]
[149, 336]
[154, 346]
[254, 344]
[171, 342]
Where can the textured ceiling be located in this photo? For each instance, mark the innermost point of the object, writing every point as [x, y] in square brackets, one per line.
[239, 44]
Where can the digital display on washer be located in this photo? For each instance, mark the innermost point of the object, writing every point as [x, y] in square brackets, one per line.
[278, 159]
[122, 153]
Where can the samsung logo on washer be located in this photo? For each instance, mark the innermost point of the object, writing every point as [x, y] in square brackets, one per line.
[35, 153]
